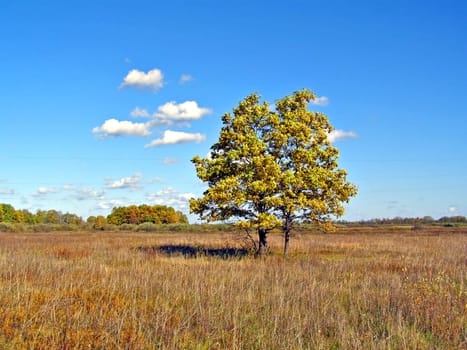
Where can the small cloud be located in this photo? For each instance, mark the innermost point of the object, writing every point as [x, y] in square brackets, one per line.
[131, 182]
[168, 161]
[82, 194]
[7, 191]
[185, 78]
[320, 101]
[153, 79]
[173, 137]
[162, 193]
[106, 205]
[338, 135]
[114, 127]
[43, 191]
[139, 113]
[452, 209]
[186, 196]
[186, 111]
[171, 197]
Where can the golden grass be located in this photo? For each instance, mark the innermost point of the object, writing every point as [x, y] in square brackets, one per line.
[348, 290]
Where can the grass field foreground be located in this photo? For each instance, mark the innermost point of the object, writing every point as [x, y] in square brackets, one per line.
[353, 289]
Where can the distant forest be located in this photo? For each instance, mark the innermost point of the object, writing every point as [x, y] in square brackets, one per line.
[425, 220]
[161, 214]
[135, 215]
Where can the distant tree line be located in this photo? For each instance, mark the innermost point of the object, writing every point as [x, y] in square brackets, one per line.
[157, 214]
[160, 215]
[9, 214]
[425, 220]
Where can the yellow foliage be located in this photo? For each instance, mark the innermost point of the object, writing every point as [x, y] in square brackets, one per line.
[273, 168]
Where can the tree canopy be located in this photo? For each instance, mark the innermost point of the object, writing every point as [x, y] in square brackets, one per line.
[11, 215]
[157, 214]
[273, 167]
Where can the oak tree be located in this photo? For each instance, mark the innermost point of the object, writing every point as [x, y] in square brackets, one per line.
[240, 173]
[272, 168]
[311, 186]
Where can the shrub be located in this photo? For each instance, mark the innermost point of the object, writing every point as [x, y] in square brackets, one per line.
[110, 227]
[42, 228]
[126, 227]
[7, 227]
[147, 227]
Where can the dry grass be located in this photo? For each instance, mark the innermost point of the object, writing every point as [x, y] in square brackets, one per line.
[349, 290]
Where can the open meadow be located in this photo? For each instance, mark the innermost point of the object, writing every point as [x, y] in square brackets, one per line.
[358, 288]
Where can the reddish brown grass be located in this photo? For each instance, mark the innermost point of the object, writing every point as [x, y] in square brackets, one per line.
[355, 289]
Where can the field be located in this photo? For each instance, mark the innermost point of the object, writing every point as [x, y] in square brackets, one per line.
[357, 288]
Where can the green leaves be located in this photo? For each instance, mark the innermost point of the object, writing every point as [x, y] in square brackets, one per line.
[272, 168]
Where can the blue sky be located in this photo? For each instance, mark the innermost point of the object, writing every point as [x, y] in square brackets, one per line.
[104, 103]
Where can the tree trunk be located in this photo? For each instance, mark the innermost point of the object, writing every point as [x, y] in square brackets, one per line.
[286, 241]
[286, 228]
[263, 244]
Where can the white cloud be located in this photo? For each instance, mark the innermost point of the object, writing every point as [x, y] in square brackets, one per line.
[43, 191]
[162, 193]
[320, 101]
[114, 127]
[185, 78]
[88, 193]
[153, 79]
[337, 135]
[186, 196]
[168, 114]
[132, 182]
[185, 111]
[7, 191]
[171, 197]
[168, 161]
[452, 209]
[139, 113]
[173, 137]
[105, 205]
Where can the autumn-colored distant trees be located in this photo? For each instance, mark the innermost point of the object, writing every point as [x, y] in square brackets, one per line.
[156, 214]
[425, 220]
[11, 215]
